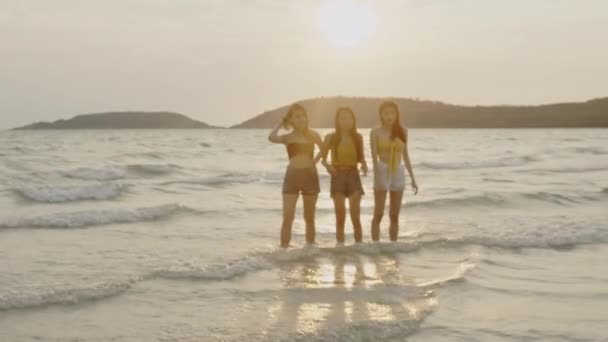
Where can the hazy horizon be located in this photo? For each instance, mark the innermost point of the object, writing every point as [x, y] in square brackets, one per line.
[223, 62]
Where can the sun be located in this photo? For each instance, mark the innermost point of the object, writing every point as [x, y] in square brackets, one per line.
[346, 23]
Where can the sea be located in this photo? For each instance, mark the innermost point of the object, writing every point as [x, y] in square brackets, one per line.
[172, 235]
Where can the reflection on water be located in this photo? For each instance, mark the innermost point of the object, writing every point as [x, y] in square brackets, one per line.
[344, 289]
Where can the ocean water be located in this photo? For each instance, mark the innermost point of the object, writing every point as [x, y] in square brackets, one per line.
[173, 236]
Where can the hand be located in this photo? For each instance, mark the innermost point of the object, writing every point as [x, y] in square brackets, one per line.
[331, 170]
[414, 187]
[285, 121]
[364, 169]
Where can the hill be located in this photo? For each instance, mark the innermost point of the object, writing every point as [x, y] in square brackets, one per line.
[430, 114]
[123, 120]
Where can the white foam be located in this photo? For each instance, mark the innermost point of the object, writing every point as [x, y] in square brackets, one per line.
[457, 276]
[226, 271]
[92, 217]
[70, 296]
[509, 161]
[54, 194]
[102, 174]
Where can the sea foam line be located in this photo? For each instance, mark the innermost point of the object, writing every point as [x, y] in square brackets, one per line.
[70, 193]
[89, 218]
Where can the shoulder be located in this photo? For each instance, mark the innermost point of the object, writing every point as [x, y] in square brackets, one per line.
[287, 137]
[315, 135]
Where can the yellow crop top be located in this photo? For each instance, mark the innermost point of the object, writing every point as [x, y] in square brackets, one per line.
[394, 148]
[344, 155]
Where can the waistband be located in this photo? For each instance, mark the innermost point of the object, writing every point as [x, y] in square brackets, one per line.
[345, 167]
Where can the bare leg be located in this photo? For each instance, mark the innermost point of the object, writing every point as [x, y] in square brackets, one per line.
[310, 202]
[395, 207]
[354, 205]
[340, 209]
[379, 201]
[289, 209]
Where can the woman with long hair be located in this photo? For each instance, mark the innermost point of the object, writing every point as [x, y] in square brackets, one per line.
[389, 147]
[346, 147]
[301, 175]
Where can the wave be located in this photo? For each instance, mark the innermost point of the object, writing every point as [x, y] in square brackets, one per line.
[498, 180]
[221, 181]
[151, 169]
[565, 170]
[504, 199]
[56, 194]
[476, 200]
[466, 165]
[88, 218]
[218, 272]
[590, 150]
[564, 236]
[68, 296]
[557, 237]
[101, 174]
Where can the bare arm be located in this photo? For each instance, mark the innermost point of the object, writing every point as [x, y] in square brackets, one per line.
[327, 147]
[374, 146]
[274, 136]
[317, 140]
[362, 161]
[408, 166]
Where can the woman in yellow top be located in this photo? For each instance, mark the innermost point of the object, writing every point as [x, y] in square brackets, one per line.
[346, 146]
[389, 147]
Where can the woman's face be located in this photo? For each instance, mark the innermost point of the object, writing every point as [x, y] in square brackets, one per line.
[389, 115]
[299, 119]
[345, 120]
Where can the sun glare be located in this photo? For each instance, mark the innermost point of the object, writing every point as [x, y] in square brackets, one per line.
[346, 23]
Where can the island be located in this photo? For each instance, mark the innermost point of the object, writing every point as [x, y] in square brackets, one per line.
[122, 120]
[432, 114]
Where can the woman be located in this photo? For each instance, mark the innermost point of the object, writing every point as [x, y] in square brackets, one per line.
[346, 146]
[389, 147]
[301, 176]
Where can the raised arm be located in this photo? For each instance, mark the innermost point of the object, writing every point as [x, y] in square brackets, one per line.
[408, 164]
[274, 134]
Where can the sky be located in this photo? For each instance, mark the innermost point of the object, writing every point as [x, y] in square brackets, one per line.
[224, 61]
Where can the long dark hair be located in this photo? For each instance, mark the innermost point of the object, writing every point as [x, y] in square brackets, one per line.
[397, 131]
[292, 109]
[337, 137]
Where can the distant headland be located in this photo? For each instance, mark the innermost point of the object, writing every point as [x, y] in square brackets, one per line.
[430, 114]
[123, 120]
[415, 114]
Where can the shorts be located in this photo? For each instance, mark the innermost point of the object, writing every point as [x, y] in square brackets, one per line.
[346, 181]
[301, 180]
[393, 182]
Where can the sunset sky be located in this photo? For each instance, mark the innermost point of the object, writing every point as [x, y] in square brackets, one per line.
[223, 61]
